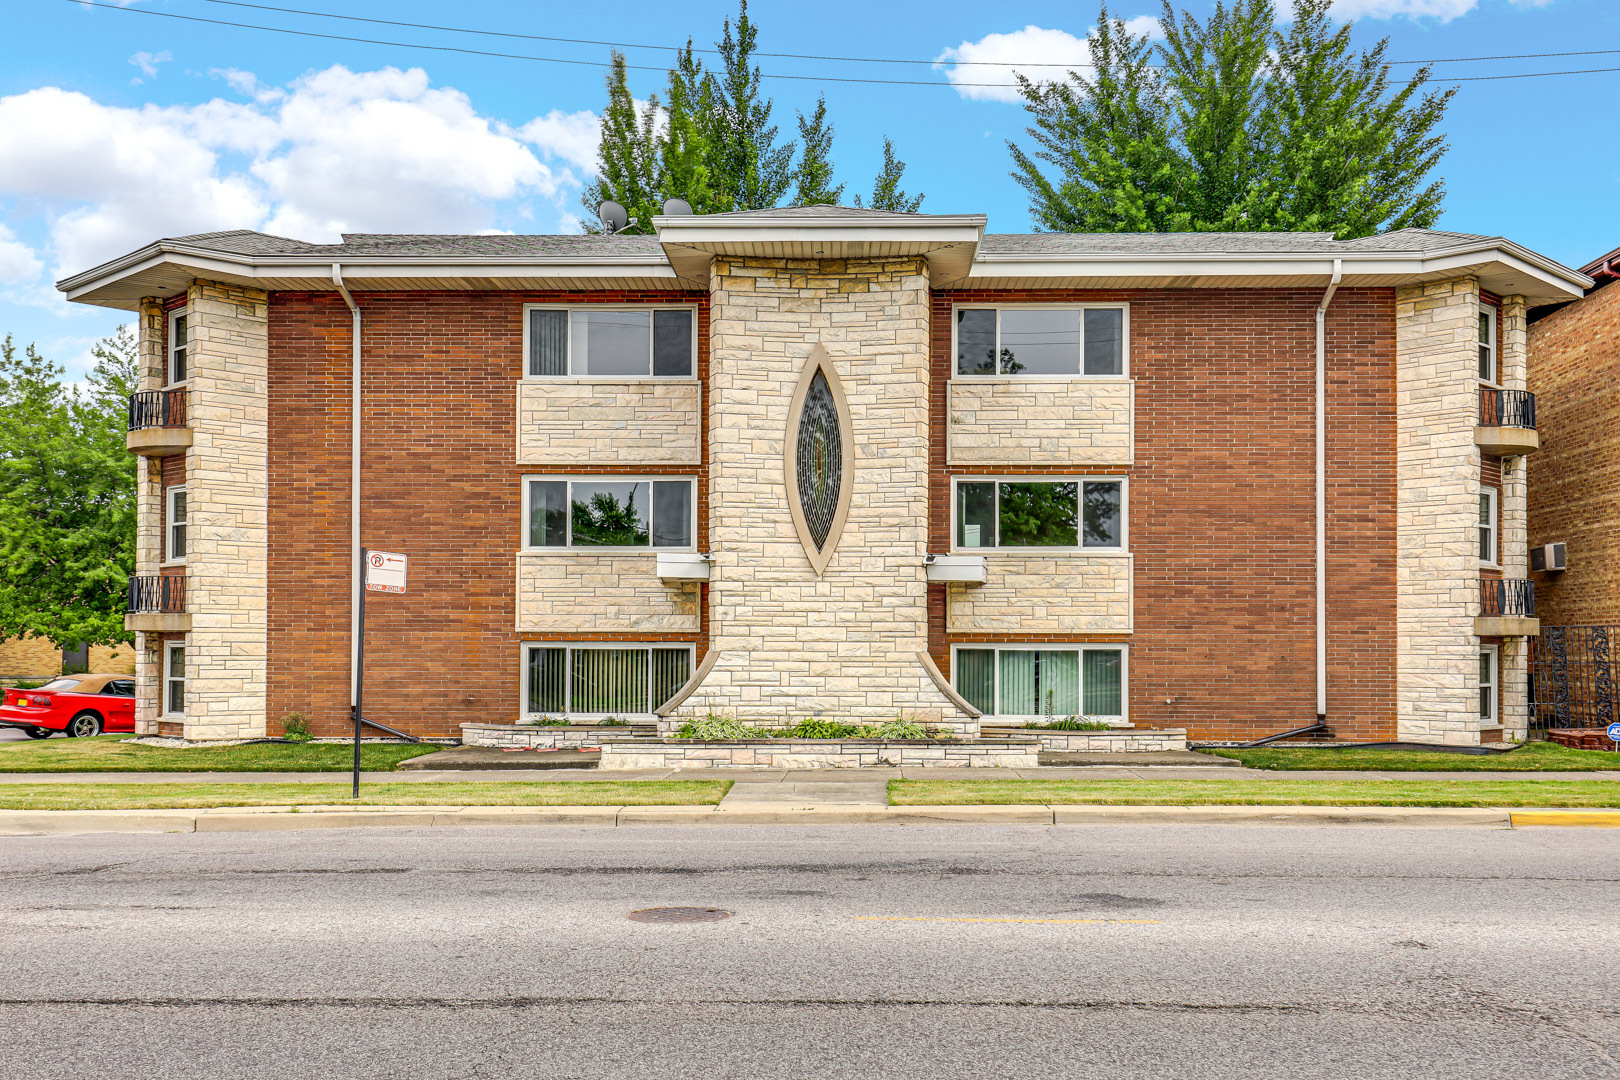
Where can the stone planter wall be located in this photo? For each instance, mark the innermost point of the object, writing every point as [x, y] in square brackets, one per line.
[1128, 741]
[1581, 738]
[1012, 753]
[546, 738]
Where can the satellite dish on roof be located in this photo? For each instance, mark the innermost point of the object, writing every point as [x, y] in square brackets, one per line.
[613, 216]
[676, 207]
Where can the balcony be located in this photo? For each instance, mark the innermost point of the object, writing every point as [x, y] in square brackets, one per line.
[1507, 422]
[157, 423]
[157, 605]
[1507, 608]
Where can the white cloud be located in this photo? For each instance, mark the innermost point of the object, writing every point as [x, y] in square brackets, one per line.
[18, 264]
[148, 63]
[1444, 10]
[1030, 52]
[335, 151]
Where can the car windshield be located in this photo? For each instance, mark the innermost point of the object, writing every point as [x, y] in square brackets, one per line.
[61, 684]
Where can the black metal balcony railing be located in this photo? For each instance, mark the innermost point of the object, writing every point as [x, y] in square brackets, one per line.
[1506, 408]
[151, 595]
[1501, 597]
[157, 408]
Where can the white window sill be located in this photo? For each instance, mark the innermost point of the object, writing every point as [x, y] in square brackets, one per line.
[563, 551]
[1490, 566]
[1014, 379]
[1108, 553]
[171, 562]
[609, 379]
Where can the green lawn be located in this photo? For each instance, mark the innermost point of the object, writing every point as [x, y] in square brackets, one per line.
[114, 753]
[1532, 757]
[1585, 793]
[196, 796]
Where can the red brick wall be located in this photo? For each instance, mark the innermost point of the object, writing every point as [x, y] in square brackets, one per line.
[1575, 476]
[439, 483]
[1221, 507]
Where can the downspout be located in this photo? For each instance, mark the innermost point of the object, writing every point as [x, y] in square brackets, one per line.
[354, 488]
[1321, 491]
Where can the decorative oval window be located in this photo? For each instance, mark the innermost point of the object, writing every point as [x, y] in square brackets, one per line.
[820, 459]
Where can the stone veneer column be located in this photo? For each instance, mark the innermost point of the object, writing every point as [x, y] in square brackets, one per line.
[1437, 481]
[148, 516]
[1514, 672]
[843, 645]
[226, 506]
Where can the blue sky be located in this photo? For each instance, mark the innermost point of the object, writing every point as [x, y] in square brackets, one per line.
[118, 127]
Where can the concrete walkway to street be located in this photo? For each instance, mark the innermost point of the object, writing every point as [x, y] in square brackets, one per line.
[778, 785]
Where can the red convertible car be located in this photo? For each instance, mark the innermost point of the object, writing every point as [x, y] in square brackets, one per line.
[77, 704]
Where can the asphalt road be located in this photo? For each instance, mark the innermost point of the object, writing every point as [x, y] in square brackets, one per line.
[1203, 952]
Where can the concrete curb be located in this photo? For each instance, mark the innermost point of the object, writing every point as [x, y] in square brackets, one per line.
[281, 818]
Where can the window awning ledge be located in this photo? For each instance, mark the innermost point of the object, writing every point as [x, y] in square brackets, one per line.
[683, 566]
[958, 569]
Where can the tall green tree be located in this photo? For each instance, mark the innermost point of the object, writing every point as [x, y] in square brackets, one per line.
[1232, 124]
[711, 141]
[67, 496]
[815, 174]
[886, 193]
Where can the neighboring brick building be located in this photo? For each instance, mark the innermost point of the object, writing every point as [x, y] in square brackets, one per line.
[821, 461]
[1576, 497]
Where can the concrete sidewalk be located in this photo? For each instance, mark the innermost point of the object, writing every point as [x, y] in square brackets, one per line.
[776, 776]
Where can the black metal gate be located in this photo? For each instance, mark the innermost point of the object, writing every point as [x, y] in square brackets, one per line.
[1574, 677]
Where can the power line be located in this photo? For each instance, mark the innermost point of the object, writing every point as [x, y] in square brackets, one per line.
[814, 56]
[644, 67]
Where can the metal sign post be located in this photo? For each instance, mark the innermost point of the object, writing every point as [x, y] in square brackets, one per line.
[382, 571]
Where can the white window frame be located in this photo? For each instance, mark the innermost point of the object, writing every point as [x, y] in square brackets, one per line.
[651, 343]
[1488, 492]
[1124, 651]
[614, 478]
[1124, 345]
[169, 381]
[165, 679]
[169, 558]
[1080, 548]
[1495, 685]
[1496, 359]
[523, 673]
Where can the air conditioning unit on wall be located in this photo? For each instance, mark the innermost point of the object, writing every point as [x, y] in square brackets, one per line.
[1549, 557]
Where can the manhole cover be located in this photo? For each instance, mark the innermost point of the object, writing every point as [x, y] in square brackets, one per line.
[679, 914]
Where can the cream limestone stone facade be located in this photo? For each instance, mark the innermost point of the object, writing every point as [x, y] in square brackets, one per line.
[1021, 421]
[847, 643]
[227, 511]
[1072, 593]
[1437, 539]
[568, 591]
[588, 422]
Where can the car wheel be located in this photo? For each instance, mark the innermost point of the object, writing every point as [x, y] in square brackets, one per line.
[84, 726]
[38, 732]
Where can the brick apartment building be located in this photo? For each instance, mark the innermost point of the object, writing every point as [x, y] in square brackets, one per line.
[821, 461]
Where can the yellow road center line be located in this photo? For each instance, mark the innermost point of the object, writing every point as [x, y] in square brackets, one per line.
[1056, 922]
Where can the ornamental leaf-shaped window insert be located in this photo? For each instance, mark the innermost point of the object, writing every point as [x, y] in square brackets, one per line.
[820, 458]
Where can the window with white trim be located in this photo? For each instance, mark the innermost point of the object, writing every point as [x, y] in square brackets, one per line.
[1487, 344]
[610, 512]
[1487, 525]
[602, 680]
[1489, 676]
[179, 342]
[1077, 339]
[1073, 513]
[595, 341]
[174, 540]
[1052, 681]
[174, 678]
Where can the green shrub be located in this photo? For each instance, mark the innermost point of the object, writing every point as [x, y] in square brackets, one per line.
[295, 727]
[716, 727]
[811, 728]
[613, 721]
[900, 728]
[1075, 723]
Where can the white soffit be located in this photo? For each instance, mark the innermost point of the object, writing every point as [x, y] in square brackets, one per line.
[948, 242]
[1503, 268]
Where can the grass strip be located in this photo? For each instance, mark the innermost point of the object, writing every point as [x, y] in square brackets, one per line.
[1532, 757]
[201, 796]
[1581, 793]
[115, 753]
